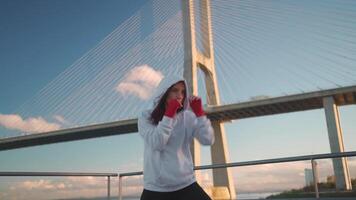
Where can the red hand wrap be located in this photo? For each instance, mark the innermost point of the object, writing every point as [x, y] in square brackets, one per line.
[172, 107]
[196, 105]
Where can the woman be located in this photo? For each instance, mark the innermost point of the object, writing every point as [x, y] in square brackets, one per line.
[168, 131]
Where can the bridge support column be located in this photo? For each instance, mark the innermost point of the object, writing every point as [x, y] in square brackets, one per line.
[341, 169]
[193, 58]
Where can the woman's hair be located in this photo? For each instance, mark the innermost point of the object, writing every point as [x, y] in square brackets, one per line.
[160, 109]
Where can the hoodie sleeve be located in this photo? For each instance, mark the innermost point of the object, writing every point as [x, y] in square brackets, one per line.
[203, 131]
[155, 136]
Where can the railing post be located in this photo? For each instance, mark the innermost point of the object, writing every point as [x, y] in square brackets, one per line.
[108, 187]
[315, 178]
[120, 188]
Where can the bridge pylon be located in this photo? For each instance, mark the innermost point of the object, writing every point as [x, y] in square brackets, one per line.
[341, 169]
[204, 59]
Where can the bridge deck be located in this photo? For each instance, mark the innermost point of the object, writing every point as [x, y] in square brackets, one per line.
[278, 105]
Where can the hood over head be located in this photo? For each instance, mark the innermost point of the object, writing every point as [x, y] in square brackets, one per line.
[163, 86]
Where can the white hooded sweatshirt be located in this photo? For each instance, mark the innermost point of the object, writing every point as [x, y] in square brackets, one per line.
[168, 164]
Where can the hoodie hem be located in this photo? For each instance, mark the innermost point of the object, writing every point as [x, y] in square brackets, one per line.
[156, 188]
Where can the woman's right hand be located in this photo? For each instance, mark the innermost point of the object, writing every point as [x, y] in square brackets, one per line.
[172, 106]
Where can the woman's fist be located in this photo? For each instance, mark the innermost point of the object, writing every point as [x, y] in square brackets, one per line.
[172, 106]
[196, 105]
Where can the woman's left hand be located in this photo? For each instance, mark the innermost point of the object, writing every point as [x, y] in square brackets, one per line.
[196, 105]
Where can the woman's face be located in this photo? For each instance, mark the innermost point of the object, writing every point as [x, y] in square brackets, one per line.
[177, 92]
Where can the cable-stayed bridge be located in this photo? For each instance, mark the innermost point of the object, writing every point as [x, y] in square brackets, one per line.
[257, 58]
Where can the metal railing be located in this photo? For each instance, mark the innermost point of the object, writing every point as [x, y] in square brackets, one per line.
[312, 159]
[108, 175]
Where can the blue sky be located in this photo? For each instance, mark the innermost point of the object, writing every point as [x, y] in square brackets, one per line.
[41, 39]
[45, 37]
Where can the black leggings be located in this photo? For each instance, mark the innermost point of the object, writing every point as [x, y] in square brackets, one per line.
[193, 191]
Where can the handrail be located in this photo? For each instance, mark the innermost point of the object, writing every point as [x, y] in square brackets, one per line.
[312, 158]
[279, 160]
[261, 162]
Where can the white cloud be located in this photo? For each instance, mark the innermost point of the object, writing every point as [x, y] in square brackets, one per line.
[140, 81]
[70, 187]
[84, 182]
[30, 125]
[41, 185]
